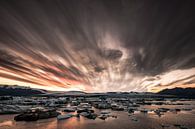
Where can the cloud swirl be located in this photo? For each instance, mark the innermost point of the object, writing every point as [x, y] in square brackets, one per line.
[97, 46]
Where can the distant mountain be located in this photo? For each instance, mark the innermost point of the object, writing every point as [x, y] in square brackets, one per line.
[180, 92]
[14, 90]
[65, 93]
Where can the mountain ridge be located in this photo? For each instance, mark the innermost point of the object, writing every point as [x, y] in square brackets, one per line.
[15, 90]
[180, 92]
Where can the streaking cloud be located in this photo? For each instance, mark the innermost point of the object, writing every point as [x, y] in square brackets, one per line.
[97, 46]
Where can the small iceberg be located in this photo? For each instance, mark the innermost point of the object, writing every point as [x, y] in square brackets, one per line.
[66, 116]
[105, 112]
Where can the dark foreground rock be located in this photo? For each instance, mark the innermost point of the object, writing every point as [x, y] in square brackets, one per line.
[33, 116]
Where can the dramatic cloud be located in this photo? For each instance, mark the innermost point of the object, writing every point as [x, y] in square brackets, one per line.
[97, 45]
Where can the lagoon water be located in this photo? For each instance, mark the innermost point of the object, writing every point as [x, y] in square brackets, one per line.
[123, 121]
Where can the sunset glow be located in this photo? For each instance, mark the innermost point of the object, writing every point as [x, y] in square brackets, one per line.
[85, 47]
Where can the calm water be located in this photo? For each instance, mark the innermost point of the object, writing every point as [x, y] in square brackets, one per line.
[123, 121]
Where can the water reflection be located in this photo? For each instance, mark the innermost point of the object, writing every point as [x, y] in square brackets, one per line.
[123, 121]
[6, 123]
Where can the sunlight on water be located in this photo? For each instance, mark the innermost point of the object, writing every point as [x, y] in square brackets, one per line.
[144, 121]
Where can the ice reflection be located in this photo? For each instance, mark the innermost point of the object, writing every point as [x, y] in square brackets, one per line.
[6, 123]
[138, 120]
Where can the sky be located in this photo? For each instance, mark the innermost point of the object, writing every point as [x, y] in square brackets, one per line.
[97, 45]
